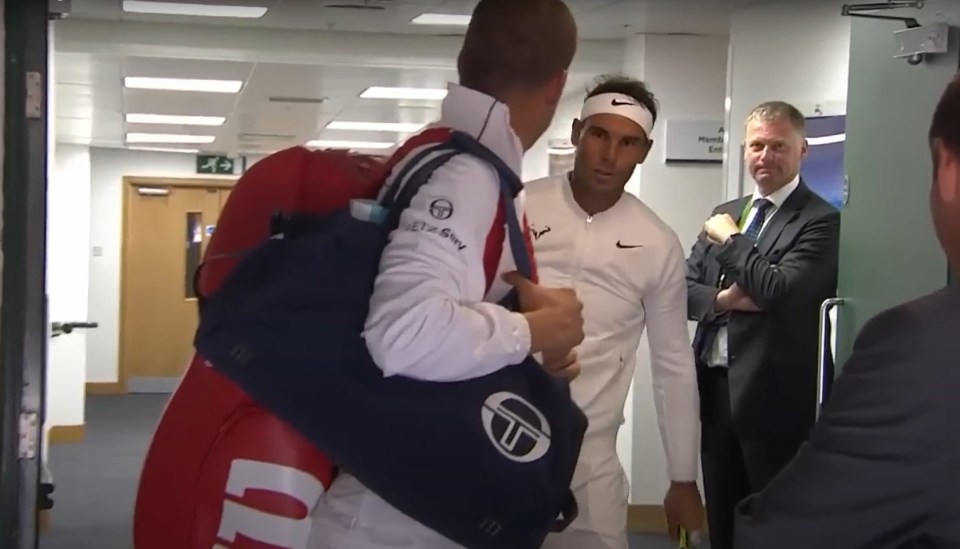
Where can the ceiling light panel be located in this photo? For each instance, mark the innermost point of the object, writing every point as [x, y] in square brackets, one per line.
[399, 127]
[164, 149]
[169, 138]
[182, 84]
[441, 19]
[174, 119]
[193, 10]
[381, 92]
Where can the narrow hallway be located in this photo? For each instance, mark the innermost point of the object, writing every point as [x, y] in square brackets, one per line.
[96, 480]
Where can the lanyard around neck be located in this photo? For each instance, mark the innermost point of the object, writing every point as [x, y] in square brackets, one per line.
[744, 214]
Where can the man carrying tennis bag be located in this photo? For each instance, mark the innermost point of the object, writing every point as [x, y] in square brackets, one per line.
[377, 333]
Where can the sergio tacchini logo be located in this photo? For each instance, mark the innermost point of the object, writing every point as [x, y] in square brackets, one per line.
[517, 429]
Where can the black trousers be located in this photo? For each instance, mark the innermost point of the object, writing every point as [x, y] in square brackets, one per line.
[733, 466]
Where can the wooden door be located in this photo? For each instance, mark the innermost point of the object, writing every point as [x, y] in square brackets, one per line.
[224, 195]
[166, 232]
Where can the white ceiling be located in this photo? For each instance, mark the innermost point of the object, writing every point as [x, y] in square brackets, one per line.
[305, 50]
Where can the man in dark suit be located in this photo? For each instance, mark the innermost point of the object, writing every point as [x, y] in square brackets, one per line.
[755, 281]
[880, 470]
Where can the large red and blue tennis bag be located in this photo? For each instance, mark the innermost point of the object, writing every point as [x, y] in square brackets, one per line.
[222, 471]
[487, 462]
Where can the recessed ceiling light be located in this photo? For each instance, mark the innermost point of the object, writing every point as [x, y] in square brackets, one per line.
[183, 84]
[400, 127]
[381, 92]
[181, 120]
[168, 138]
[197, 10]
[164, 149]
[441, 19]
[334, 144]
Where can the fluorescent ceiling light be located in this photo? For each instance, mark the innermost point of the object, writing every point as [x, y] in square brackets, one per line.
[827, 139]
[182, 120]
[380, 92]
[164, 150]
[168, 138]
[399, 127]
[198, 10]
[183, 84]
[334, 144]
[441, 19]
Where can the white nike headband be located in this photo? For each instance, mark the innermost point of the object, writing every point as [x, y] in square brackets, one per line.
[619, 104]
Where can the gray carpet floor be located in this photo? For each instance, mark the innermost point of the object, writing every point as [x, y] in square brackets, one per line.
[96, 480]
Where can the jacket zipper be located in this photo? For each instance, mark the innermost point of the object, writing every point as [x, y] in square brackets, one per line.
[581, 251]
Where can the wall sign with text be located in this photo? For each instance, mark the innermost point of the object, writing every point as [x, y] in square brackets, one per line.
[694, 141]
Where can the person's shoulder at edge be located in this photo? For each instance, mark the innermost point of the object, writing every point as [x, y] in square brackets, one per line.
[916, 324]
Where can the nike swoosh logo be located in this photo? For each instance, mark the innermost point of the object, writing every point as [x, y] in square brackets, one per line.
[627, 247]
[616, 103]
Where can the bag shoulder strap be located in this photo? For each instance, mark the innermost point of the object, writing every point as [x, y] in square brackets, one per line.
[510, 187]
[282, 221]
[406, 186]
[414, 175]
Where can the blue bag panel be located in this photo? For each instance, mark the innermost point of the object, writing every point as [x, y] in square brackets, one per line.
[486, 462]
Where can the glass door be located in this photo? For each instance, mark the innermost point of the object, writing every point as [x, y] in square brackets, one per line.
[889, 253]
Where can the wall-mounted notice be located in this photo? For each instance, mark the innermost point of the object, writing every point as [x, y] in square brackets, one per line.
[694, 141]
[560, 155]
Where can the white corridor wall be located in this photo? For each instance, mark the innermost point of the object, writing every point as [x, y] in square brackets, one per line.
[68, 244]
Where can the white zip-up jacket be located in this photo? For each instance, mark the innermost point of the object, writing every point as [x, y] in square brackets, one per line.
[627, 267]
[433, 313]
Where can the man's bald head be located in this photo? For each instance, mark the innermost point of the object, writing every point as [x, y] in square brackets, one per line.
[516, 44]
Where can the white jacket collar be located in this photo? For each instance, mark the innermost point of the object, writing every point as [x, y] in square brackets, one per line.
[484, 118]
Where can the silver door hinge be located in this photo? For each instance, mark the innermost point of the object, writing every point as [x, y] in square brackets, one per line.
[29, 430]
[35, 93]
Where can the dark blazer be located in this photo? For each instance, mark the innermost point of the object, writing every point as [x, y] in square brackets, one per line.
[790, 271]
[881, 469]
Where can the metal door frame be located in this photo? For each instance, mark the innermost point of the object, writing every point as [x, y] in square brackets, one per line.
[23, 317]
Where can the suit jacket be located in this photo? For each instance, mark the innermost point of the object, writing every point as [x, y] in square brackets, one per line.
[881, 469]
[772, 354]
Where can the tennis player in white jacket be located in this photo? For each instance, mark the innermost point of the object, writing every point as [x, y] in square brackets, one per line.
[627, 267]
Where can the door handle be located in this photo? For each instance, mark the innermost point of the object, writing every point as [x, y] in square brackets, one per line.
[60, 328]
[823, 346]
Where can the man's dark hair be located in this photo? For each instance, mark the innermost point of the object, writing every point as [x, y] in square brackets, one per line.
[631, 87]
[516, 44]
[946, 119]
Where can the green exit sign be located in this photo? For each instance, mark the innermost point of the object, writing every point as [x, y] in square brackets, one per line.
[215, 164]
